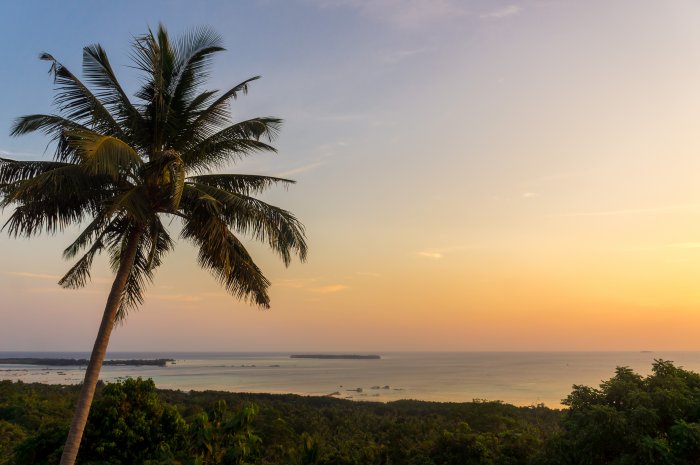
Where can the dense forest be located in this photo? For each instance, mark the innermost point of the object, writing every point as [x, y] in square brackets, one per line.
[628, 419]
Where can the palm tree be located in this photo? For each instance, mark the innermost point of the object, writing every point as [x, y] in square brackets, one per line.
[124, 169]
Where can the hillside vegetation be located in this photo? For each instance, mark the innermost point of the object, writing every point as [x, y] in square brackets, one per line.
[629, 419]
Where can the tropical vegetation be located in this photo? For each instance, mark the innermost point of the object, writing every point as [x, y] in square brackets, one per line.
[628, 419]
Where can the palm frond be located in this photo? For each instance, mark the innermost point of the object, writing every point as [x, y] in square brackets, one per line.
[12, 171]
[193, 56]
[279, 228]
[155, 57]
[216, 115]
[61, 184]
[133, 203]
[51, 125]
[91, 233]
[224, 256]
[139, 276]
[99, 73]
[245, 184]
[154, 245]
[160, 243]
[193, 53]
[54, 126]
[34, 217]
[231, 144]
[79, 273]
[196, 103]
[104, 155]
[77, 102]
[218, 110]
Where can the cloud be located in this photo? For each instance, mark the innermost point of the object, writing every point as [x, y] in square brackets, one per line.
[59, 289]
[401, 55]
[438, 253]
[333, 288]
[530, 195]
[498, 13]
[323, 153]
[301, 169]
[52, 277]
[25, 274]
[311, 285]
[429, 254]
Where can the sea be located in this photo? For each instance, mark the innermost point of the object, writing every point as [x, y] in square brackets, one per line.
[520, 378]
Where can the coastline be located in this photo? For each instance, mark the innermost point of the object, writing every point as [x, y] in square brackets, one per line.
[521, 379]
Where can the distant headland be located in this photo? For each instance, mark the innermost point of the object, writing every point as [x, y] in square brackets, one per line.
[65, 362]
[337, 357]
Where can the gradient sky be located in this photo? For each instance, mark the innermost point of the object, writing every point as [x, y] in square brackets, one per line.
[473, 175]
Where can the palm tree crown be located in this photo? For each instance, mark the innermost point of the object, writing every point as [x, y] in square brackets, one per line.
[122, 167]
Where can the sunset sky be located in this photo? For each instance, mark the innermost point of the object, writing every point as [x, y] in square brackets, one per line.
[473, 175]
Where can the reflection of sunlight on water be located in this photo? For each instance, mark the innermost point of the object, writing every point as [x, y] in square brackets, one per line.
[518, 378]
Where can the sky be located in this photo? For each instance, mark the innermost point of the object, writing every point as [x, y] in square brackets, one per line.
[473, 175]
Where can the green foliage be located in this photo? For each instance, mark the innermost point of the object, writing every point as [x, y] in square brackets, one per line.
[132, 422]
[33, 422]
[627, 420]
[44, 447]
[226, 437]
[129, 424]
[632, 420]
[10, 436]
[318, 430]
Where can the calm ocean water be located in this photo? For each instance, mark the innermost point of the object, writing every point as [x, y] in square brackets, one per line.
[521, 378]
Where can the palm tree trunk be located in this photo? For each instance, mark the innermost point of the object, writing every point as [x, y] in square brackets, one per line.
[92, 374]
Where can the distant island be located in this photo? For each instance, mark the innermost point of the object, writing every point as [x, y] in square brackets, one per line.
[63, 362]
[338, 357]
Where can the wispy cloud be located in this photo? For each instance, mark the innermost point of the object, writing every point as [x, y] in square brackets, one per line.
[322, 154]
[401, 55]
[430, 254]
[530, 195]
[498, 13]
[59, 289]
[311, 285]
[438, 253]
[333, 288]
[26, 274]
[301, 169]
[51, 277]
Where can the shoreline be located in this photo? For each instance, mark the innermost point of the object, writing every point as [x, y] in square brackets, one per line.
[518, 379]
[282, 396]
[80, 362]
